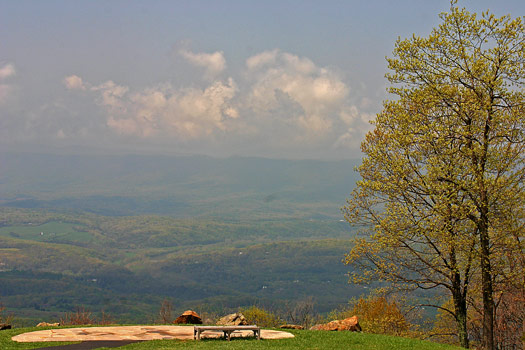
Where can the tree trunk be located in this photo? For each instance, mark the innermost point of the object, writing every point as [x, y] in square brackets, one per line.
[460, 309]
[487, 288]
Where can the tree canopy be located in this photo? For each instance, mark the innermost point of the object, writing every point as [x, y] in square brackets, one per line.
[442, 193]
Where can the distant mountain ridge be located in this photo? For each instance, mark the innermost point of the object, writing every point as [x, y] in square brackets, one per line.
[184, 185]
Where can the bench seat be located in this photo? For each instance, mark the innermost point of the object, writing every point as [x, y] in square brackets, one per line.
[227, 330]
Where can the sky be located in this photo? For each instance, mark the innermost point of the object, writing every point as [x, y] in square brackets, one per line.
[277, 79]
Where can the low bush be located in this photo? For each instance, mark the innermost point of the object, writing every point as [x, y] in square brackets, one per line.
[82, 316]
[377, 314]
[261, 317]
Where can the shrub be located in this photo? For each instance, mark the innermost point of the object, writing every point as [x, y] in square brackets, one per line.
[82, 316]
[5, 318]
[377, 315]
[261, 317]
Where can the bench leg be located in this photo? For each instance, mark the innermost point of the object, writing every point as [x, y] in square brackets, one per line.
[227, 335]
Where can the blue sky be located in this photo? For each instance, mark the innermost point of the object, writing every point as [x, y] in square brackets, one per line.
[282, 79]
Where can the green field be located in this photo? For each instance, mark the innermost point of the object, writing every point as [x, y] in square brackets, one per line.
[311, 340]
[54, 231]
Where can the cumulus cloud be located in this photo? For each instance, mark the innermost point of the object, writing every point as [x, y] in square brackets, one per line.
[165, 111]
[213, 63]
[318, 91]
[74, 82]
[111, 96]
[355, 125]
[285, 102]
[262, 59]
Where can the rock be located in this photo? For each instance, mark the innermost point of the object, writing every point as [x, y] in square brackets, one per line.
[330, 326]
[4, 326]
[348, 324]
[351, 324]
[45, 324]
[291, 326]
[236, 319]
[188, 317]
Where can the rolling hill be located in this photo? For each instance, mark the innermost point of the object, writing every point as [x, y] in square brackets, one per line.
[123, 233]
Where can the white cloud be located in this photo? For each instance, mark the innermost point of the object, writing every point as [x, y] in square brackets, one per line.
[7, 71]
[315, 124]
[262, 59]
[112, 96]
[74, 82]
[164, 111]
[285, 102]
[319, 92]
[213, 63]
[356, 125]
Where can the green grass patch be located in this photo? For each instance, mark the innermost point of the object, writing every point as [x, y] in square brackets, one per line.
[53, 231]
[311, 340]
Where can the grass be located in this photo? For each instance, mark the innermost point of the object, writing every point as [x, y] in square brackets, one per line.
[310, 340]
[51, 231]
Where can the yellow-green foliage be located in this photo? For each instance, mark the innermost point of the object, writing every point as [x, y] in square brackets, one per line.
[261, 317]
[442, 193]
[377, 314]
[445, 329]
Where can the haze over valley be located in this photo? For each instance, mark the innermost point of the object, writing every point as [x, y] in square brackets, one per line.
[123, 233]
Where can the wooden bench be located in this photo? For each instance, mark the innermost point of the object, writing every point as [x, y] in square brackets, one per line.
[227, 330]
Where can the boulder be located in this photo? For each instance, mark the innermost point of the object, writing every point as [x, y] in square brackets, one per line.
[4, 326]
[351, 324]
[291, 326]
[188, 317]
[348, 324]
[45, 324]
[236, 319]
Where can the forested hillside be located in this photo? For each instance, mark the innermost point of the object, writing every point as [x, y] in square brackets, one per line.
[122, 234]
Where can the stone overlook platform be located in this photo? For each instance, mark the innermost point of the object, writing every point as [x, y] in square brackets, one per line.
[134, 333]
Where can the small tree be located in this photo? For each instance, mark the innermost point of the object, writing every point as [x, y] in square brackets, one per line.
[3, 317]
[165, 311]
[302, 312]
